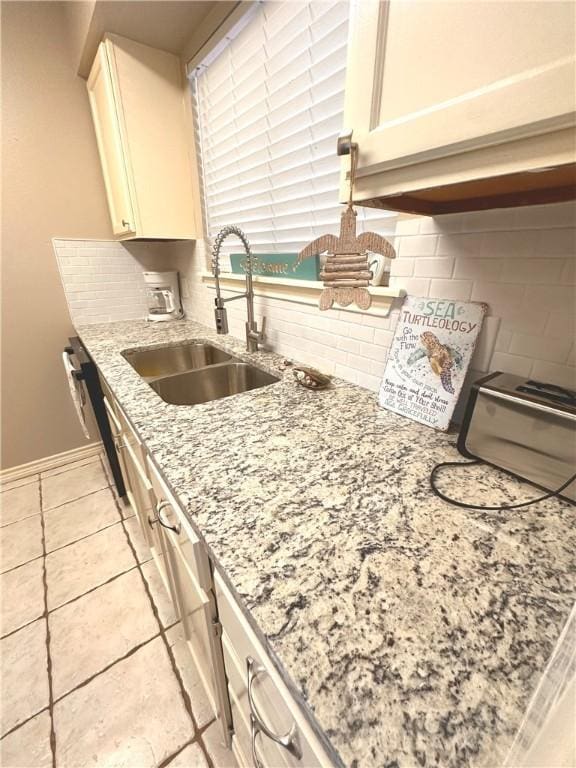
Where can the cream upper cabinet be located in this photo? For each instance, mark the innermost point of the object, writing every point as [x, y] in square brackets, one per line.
[454, 104]
[145, 135]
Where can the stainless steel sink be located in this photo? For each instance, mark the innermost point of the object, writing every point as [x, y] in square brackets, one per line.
[164, 361]
[201, 386]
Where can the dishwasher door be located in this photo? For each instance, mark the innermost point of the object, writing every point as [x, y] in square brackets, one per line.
[85, 371]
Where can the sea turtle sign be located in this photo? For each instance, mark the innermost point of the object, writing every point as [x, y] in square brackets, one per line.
[429, 357]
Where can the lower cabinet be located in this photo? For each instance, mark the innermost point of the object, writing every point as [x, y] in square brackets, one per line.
[190, 585]
[270, 730]
[258, 716]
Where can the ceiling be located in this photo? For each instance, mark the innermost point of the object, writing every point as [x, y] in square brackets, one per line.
[177, 26]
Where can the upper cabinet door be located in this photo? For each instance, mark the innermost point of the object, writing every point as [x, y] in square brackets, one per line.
[112, 152]
[445, 92]
[146, 140]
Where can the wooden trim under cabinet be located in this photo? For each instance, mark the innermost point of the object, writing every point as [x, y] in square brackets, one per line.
[550, 185]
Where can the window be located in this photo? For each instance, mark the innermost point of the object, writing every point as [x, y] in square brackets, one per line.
[269, 102]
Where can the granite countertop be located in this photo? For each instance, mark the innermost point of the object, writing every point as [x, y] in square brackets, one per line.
[415, 632]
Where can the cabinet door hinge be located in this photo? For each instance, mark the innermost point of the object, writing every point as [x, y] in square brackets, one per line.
[216, 628]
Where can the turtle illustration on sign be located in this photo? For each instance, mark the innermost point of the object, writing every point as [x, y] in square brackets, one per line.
[441, 357]
[346, 273]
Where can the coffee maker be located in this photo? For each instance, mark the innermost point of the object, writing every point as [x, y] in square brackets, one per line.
[163, 296]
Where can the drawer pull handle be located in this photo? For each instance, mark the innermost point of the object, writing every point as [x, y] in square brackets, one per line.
[161, 506]
[290, 740]
[255, 730]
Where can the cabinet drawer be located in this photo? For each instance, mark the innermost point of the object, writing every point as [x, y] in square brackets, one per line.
[192, 548]
[269, 753]
[197, 612]
[274, 705]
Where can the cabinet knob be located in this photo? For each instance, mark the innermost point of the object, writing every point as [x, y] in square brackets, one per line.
[125, 223]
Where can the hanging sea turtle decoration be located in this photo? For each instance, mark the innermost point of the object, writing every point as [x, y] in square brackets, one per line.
[346, 273]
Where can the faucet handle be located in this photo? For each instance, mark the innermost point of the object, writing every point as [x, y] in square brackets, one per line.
[262, 331]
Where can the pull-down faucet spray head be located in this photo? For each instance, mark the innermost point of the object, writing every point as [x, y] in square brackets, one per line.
[253, 336]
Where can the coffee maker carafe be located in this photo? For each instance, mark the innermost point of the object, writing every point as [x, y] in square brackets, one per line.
[163, 296]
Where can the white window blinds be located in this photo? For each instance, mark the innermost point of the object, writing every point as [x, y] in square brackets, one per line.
[269, 104]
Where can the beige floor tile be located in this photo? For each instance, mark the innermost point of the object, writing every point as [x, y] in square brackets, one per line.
[72, 484]
[96, 630]
[76, 519]
[69, 466]
[22, 593]
[29, 745]
[24, 674]
[132, 715]
[138, 540]
[125, 509]
[160, 594]
[221, 756]
[20, 542]
[201, 708]
[20, 502]
[86, 564]
[107, 470]
[191, 756]
[8, 486]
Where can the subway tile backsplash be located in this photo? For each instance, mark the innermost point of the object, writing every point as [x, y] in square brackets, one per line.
[103, 280]
[521, 262]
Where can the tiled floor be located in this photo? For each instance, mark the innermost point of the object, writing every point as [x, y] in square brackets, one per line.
[95, 670]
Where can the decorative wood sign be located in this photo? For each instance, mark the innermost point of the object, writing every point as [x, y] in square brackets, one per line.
[429, 357]
[347, 272]
[279, 265]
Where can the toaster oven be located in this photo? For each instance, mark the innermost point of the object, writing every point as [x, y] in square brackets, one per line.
[525, 427]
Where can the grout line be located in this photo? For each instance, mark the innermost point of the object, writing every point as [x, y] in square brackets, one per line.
[171, 657]
[9, 570]
[92, 589]
[175, 754]
[77, 498]
[127, 655]
[82, 538]
[33, 479]
[23, 626]
[24, 722]
[27, 517]
[64, 546]
[48, 655]
[203, 746]
[68, 468]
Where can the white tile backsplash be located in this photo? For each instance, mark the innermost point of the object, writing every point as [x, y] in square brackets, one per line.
[521, 262]
[103, 279]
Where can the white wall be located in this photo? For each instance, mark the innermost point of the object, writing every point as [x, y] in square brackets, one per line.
[520, 261]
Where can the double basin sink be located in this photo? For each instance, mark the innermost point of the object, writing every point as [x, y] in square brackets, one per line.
[195, 372]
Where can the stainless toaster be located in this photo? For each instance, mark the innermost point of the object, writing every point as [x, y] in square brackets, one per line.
[523, 426]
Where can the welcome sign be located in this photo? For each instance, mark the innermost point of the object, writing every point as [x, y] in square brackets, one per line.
[429, 357]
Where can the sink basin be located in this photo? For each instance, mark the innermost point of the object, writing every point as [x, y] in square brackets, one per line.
[163, 361]
[207, 384]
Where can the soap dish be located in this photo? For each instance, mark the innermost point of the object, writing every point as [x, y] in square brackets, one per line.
[311, 378]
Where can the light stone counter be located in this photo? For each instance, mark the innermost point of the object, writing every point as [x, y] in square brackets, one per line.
[413, 633]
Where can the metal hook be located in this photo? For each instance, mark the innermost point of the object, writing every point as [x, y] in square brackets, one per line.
[345, 146]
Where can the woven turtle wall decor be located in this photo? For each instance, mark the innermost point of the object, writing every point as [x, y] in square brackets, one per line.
[346, 273]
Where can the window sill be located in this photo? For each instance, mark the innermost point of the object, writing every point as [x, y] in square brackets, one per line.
[305, 291]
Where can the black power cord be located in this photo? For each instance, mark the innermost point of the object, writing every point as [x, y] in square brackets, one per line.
[499, 508]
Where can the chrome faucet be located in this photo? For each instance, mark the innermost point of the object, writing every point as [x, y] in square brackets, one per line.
[253, 335]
